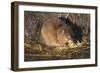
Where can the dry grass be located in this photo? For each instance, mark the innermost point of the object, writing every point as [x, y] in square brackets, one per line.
[36, 51]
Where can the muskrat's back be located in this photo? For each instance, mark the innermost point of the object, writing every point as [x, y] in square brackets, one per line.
[55, 32]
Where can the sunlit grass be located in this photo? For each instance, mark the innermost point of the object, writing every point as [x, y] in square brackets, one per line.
[35, 51]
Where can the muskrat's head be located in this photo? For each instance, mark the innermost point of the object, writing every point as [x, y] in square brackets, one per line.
[65, 35]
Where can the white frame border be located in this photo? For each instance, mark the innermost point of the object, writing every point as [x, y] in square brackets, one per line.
[34, 64]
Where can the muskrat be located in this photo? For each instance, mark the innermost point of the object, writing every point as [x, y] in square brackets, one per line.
[56, 32]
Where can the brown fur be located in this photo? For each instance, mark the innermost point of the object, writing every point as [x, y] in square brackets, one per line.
[56, 33]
